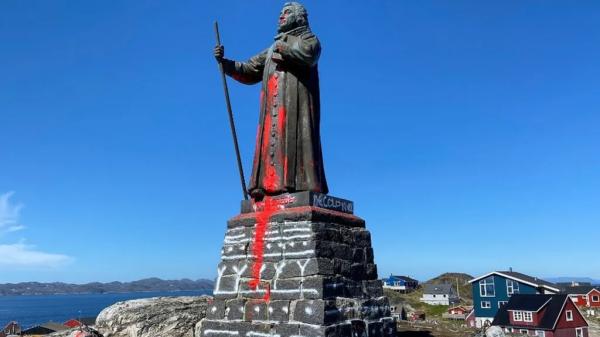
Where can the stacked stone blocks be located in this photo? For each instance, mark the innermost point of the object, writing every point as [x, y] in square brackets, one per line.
[318, 278]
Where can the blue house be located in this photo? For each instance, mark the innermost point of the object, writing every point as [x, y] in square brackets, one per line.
[493, 290]
[400, 283]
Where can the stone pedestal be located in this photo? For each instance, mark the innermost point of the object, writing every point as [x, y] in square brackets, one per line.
[298, 265]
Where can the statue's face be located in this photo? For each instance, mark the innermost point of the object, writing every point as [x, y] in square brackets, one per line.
[286, 19]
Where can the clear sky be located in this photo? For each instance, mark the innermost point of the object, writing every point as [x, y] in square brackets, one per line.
[466, 132]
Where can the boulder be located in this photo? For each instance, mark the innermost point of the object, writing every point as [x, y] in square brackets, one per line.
[153, 317]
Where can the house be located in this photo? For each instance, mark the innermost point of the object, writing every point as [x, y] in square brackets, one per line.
[85, 321]
[492, 290]
[541, 315]
[460, 312]
[400, 283]
[12, 328]
[43, 329]
[583, 296]
[440, 294]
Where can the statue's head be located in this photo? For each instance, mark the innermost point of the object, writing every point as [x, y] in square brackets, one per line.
[292, 15]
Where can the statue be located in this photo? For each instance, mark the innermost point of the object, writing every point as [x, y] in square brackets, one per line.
[295, 261]
[287, 155]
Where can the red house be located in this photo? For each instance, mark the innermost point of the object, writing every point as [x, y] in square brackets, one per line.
[584, 296]
[542, 315]
[86, 321]
[459, 310]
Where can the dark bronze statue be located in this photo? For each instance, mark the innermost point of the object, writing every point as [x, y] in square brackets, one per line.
[288, 154]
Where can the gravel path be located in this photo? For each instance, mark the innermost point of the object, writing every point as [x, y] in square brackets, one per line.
[594, 328]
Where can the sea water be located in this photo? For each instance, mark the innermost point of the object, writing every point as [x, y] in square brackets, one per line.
[32, 310]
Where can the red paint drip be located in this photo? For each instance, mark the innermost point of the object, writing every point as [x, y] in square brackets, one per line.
[265, 139]
[258, 248]
[267, 296]
[271, 88]
[263, 216]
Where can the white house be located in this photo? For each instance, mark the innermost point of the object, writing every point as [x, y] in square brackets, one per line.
[439, 294]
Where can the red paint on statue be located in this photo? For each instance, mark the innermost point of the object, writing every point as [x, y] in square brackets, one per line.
[271, 181]
[272, 86]
[267, 296]
[264, 150]
[281, 120]
[258, 244]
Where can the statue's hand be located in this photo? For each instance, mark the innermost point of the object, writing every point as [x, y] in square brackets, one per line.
[281, 47]
[219, 52]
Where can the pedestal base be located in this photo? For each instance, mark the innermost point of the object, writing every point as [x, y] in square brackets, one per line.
[297, 272]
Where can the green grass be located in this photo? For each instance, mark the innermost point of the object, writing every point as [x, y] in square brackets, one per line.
[413, 299]
[433, 311]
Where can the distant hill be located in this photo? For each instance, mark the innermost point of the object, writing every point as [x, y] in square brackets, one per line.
[568, 279]
[149, 284]
[460, 279]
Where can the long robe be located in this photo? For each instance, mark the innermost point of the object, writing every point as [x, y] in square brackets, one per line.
[287, 155]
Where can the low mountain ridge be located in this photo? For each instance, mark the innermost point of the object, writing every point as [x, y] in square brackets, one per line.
[456, 279]
[569, 279]
[149, 284]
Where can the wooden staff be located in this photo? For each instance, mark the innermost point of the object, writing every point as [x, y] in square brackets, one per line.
[231, 122]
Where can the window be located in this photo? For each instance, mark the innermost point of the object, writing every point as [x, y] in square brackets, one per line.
[527, 316]
[579, 332]
[517, 316]
[595, 298]
[486, 287]
[569, 314]
[524, 331]
[486, 304]
[501, 303]
[540, 333]
[512, 287]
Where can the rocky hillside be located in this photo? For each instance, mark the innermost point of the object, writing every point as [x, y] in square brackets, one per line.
[149, 284]
[460, 279]
[411, 301]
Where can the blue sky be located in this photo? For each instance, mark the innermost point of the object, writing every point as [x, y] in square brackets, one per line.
[466, 132]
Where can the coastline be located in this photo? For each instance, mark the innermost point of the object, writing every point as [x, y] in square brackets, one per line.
[31, 310]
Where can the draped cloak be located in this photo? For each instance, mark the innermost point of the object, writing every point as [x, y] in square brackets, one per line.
[287, 155]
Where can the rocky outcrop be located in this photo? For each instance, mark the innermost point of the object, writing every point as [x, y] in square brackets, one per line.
[153, 317]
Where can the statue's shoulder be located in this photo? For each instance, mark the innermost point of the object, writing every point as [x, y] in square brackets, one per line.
[308, 35]
[309, 38]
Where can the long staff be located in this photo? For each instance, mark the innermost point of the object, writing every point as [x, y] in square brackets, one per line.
[231, 122]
